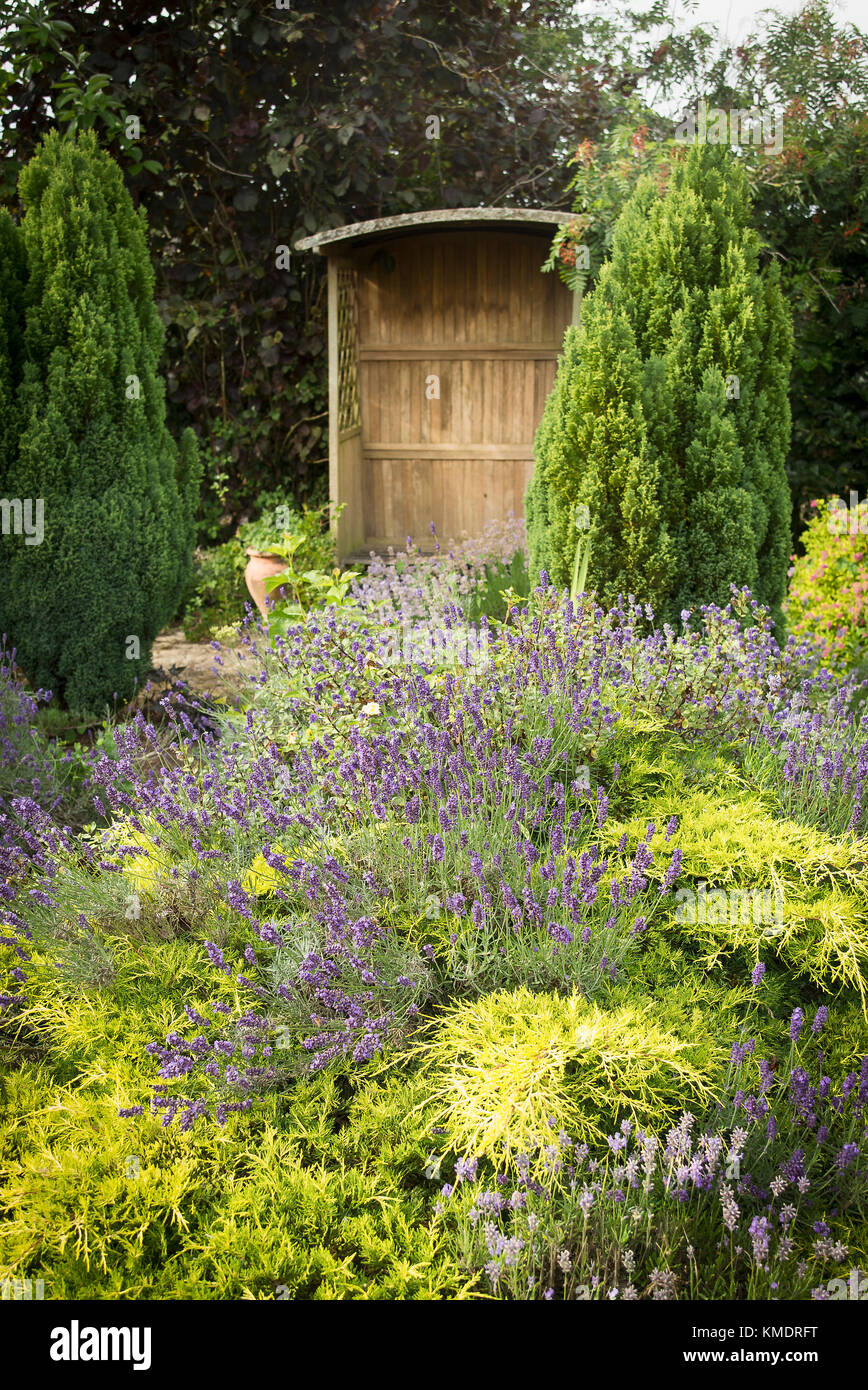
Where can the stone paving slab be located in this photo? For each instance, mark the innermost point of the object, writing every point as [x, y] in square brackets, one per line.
[195, 663]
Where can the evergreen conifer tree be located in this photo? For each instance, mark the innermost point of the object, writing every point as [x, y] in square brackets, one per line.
[83, 606]
[13, 276]
[669, 416]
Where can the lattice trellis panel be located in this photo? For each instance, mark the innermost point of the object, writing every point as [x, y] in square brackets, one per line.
[349, 412]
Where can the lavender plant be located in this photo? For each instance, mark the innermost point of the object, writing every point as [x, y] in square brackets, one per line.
[381, 833]
[763, 1189]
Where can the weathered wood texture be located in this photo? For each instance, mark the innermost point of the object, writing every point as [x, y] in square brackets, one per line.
[453, 344]
[355, 232]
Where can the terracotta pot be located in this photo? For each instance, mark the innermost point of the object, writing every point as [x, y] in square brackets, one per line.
[259, 568]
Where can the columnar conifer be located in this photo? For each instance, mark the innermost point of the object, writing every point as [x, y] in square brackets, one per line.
[12, 281]
[669, 418]
[83, 606]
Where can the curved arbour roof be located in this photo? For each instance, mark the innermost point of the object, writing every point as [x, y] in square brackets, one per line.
[440, 219]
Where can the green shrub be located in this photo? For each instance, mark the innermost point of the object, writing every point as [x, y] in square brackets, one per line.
[13, 275]
[741, 1206]
[218, 591]
[486, 600]
[320, 1193]
[83, 606]
[828, 598]
[669, 425]
[813, 917]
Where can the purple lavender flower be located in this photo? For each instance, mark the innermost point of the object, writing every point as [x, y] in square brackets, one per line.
[848, 1154]
[760, 1234]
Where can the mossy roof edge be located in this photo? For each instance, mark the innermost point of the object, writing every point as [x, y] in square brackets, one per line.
[437, 218]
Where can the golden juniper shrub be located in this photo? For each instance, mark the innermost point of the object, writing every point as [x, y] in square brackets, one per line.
[511, 1069]
[321, 1194]
[807, 891]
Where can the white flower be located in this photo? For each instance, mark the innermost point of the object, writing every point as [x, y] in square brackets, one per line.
[371, 707]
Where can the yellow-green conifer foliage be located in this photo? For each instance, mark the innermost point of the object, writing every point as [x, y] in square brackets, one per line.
[669, 417]
[506, 1065]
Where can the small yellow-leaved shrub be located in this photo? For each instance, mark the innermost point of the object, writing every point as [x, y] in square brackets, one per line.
[147, 870]
[506, 1065]
[820, 881]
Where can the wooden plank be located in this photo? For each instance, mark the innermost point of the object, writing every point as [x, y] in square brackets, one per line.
[447, 370]
[459, 351]
[460, 501]
[494, 428]
[541, 303]
[483, 494]
[472, 308]
[353, 519]
[510, 496]
[373, 510]
[464, 283]
[432, 324]
[448, 451]
[421, 499]
[414, 409]
[387, 473]
[433, 432]
[512, 305]
[507, 426]
[437, 475]
[367, 371]
[529, 418]
[450, 290]
[334, 443]
[412, 327]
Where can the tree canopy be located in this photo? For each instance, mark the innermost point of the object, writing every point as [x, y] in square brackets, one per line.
[241, 127]
[810, 202]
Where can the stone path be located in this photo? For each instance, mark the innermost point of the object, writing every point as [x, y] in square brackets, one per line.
[195, 663]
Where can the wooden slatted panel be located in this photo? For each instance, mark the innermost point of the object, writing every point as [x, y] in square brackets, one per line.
[482, 290]
[481, 401]
[461, 287]
[401, 499]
